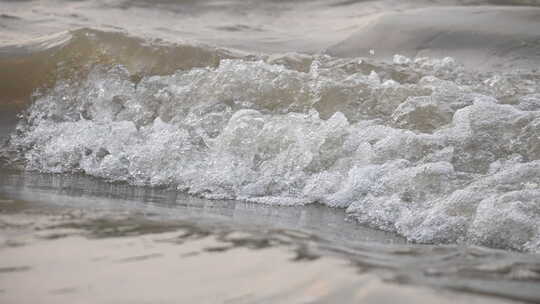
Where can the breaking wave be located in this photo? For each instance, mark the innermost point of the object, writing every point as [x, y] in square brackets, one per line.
[421, 147]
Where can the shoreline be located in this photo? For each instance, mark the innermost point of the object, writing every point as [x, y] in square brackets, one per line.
[69, 226]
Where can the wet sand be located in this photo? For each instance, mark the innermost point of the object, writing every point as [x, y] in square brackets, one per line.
[74, 239]
[61, 256]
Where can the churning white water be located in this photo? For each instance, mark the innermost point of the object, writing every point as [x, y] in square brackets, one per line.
[421, 147]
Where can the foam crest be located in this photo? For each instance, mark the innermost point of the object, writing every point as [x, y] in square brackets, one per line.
[420, 147]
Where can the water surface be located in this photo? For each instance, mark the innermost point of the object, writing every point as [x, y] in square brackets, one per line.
[398, 137]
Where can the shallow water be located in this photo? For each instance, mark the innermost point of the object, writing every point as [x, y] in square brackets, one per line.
[76, 222]
[426, 136]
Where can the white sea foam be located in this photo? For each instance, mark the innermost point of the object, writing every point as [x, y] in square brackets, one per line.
[421, 147]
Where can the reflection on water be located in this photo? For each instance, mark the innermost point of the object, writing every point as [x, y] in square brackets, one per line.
[53, 208]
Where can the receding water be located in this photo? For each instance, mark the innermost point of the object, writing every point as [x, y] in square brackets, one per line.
[41, 212]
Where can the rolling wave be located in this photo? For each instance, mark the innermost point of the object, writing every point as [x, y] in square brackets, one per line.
[422, 147]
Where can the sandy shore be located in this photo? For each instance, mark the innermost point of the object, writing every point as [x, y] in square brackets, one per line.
[72, 256]
[75, 239]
